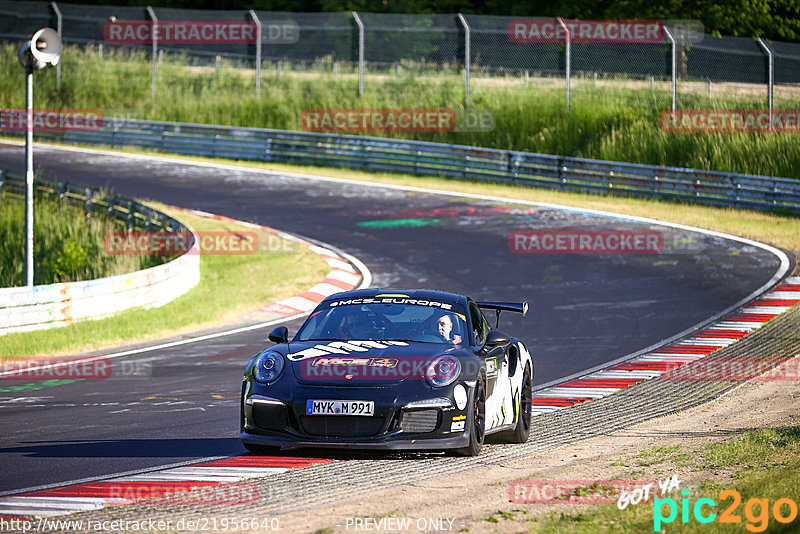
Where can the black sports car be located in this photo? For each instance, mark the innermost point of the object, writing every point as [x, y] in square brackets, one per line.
[390, 369]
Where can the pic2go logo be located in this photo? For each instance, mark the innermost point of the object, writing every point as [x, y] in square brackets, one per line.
[756, 511]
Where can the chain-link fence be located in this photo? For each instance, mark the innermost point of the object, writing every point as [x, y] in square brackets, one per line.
[469, 49]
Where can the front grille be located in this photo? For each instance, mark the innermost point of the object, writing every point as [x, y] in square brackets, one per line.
[345, 426]
[420, 421]
[269, 416]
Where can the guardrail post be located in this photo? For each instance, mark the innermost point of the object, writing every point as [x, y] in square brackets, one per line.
[62, 192]
[88, 203]
[466, 58]
[111, 205]
[154, 38]
[58, 29]
[2, 183]
[674, 74]
[770, 81]
[258, 50]
[360, 53]
[568, 57]
[131, 215]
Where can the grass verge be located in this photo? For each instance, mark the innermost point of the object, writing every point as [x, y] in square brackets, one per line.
[619, 122]
[761, 461]
[68, 247]
[230, 286]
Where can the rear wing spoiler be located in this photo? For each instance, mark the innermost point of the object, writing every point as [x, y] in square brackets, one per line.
[517, 307]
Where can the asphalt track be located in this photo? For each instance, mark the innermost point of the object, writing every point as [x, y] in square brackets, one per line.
[585, 309]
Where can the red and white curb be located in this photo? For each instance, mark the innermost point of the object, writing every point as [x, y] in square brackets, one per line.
[343, 277]
[706, 341]
[210, 483]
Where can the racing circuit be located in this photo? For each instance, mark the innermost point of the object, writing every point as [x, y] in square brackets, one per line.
[586, 310]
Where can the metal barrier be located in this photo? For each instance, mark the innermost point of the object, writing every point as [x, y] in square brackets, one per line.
[45, 306]
[438, 159]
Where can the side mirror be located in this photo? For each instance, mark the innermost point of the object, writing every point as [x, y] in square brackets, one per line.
[496, 338]
[279, 334]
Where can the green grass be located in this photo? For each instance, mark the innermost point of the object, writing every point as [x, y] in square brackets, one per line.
[766, 462]
[230, 286]
[619, 123]
[66, 248]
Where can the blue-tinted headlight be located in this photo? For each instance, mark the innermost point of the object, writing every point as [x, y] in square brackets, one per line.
[268, 366]
[443, 371]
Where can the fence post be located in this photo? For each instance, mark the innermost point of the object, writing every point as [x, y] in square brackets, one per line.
[360, 53]
[154, 36]
[771, 80]
[467, 59]
[258, 51]
[671, 39]
[568, 57]
[58, 29]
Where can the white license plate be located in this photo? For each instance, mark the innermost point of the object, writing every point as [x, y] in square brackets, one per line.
[339, 407]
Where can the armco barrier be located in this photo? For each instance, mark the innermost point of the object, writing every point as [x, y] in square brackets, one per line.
[423, 158]
[32, 308]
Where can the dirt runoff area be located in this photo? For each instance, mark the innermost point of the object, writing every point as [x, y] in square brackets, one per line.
[478, 501]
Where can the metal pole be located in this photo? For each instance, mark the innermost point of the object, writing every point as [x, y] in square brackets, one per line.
[671, 38]
[467, 59]
[568, 57]
[58, 28]
[360, 53]
[771, 80]
[154, 37]
[29, 177]
[258, 50]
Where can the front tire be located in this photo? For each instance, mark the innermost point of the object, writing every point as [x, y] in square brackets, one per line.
[477, 428]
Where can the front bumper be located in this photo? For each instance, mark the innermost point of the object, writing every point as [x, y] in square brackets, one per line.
[409, 415]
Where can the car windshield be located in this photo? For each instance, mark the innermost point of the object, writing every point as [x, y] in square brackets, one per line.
[343, 321]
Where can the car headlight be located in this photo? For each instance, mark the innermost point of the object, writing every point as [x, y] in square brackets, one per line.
[268, 366]
[443, 371]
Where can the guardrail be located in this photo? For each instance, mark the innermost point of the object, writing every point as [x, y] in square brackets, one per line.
[424, 158]
[45, 306]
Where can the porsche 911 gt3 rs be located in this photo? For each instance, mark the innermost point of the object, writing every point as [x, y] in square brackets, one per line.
[390, 369]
